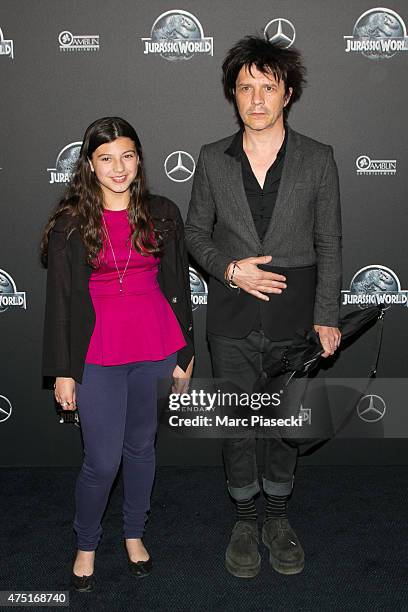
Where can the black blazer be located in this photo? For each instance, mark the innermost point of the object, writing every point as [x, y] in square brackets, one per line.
[69, 313]
[303, 237]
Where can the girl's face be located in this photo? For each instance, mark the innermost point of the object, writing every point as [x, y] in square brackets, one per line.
[115, 165]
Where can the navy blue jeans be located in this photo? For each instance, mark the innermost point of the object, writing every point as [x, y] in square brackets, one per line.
[118, 412]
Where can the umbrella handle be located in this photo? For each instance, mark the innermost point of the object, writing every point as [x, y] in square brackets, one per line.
[373, 370]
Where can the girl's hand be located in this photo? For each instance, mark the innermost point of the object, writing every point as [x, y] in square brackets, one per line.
[64, 391]
[181, 378]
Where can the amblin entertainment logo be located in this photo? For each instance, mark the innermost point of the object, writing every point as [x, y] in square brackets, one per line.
[365, 165]
[74, 42]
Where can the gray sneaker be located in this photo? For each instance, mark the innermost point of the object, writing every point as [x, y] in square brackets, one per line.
[242, 558]
[286, 554]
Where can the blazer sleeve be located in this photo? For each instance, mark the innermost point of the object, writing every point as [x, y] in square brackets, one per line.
[57, 319]
[327, 244]
[200, 221]
[185, 354]
[174, 276]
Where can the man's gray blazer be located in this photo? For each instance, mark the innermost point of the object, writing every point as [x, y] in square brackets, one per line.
[305, 228]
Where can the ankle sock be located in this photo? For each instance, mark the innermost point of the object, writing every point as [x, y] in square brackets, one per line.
[246, 510]
[275, 506]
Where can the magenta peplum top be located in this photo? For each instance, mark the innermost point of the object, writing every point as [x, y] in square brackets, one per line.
[137, 323]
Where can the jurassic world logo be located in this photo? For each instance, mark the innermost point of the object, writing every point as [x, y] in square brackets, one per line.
[375, 286]
[198, 288]
[177, 35]
[378, 33]
[9, 296]
[6, 46]
[65, 163]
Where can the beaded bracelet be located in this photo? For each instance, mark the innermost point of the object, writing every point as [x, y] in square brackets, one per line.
[230, 280]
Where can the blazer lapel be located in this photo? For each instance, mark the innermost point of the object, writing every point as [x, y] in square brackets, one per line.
[234, 174]
[290, 171]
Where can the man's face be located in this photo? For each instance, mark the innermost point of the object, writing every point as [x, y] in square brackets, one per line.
[260, 98]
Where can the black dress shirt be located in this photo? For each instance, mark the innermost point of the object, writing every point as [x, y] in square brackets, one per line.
[261, 200]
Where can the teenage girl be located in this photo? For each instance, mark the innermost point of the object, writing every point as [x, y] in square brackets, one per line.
[117, 319]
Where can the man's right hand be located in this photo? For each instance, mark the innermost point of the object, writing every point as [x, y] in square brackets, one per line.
[250, 278]
[64, 392]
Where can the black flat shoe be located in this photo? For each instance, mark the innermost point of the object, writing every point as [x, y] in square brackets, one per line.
[83, 583]
[140, 569]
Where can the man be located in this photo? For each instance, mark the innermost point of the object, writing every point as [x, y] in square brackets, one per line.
[266, 195]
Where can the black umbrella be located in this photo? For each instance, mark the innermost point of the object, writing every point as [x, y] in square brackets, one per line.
[285, 369]
[304, 354]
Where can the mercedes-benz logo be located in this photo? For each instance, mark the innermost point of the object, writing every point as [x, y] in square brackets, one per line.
[5, 408]
[179, 166]
[371, 408]
[280, 31]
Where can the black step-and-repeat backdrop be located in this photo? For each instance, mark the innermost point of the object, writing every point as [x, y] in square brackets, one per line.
[65, 63]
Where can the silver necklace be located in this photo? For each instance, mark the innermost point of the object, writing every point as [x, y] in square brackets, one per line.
[120, 276]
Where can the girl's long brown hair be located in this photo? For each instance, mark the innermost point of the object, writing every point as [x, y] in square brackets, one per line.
[83, 198]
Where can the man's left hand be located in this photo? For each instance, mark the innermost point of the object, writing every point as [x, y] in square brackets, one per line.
[329, 339]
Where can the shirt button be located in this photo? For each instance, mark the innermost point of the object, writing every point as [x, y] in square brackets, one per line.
[174, 300]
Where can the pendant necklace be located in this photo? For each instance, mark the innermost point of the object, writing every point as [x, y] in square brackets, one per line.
[120, 276]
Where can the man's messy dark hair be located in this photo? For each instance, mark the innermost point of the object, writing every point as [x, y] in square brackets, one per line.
[269, 58]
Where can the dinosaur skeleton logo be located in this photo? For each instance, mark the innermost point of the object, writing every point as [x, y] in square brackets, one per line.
[280, 31]
[177, 35]
[6, 46]
[375, 285]
[378, 33]
[9, 296]
[198, 288]
[65, 163]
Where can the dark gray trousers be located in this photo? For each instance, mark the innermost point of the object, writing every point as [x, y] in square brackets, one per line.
[240, 361]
